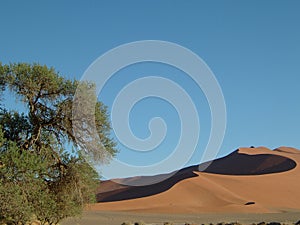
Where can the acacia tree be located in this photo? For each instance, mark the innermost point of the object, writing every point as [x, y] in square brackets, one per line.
[18, 182]
[61, 181]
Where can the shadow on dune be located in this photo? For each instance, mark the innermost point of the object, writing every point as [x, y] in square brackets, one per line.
[242, 164]
[234, 164]
[126, 192]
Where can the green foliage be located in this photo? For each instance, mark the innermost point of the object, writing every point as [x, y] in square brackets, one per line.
[49, 99]
[19, 182]
[14, 205]
[15, 125]
[38, 177]
[3, 70]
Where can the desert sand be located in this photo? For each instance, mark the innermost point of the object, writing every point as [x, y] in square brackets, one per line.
[249, 185]
[252, 180]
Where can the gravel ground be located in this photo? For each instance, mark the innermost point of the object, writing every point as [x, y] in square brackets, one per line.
[117, 218]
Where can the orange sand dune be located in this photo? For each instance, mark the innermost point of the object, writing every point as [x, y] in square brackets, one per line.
[247, 180]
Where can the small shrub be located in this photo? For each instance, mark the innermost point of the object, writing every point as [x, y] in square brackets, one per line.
[127, 223]
[249, 203]
[235, 223]
[222, 223]
[274, 223]
[261, 223]
[168, 223]
[139, 223]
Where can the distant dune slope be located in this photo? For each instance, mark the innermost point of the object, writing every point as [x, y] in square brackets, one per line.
[122, 192]
[247, 180]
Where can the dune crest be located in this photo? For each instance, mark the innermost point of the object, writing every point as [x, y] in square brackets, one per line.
[249, 161]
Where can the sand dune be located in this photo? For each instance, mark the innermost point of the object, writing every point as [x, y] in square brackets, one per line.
[249, 161]
[247, 180]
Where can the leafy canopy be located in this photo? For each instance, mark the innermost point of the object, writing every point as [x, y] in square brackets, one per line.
[40, 178]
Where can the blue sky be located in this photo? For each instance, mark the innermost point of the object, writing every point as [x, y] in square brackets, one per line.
[252, 47]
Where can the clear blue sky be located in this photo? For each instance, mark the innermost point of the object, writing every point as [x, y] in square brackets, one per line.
[253, 48]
